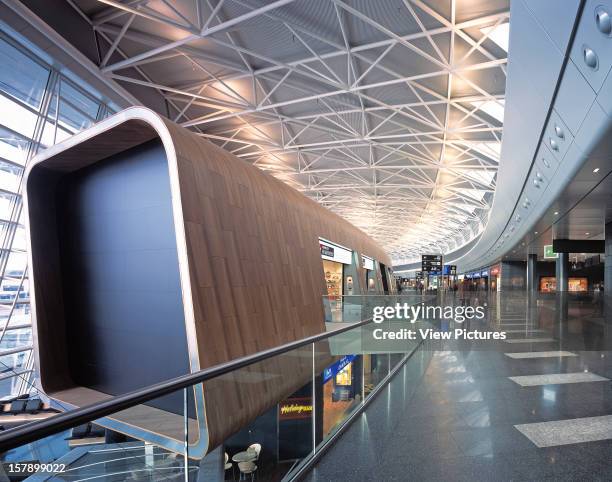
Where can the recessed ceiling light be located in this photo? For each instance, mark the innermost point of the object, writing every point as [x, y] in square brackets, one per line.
[535, 232]
[596, 169]
[556, 213]
[587, 233]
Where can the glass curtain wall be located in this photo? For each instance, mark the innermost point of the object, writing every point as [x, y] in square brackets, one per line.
[40, 105]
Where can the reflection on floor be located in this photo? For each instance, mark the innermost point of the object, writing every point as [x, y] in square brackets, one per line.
[539, 408]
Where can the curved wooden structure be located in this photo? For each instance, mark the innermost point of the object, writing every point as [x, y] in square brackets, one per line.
[248, 274]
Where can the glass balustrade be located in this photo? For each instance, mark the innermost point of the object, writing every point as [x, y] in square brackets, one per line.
[264, 420]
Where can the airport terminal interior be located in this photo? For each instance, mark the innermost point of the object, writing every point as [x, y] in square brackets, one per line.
[305, 240]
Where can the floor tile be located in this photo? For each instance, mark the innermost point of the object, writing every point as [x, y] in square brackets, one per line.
[540, 354]
[530, 340]
[557, 379]
[565, 432]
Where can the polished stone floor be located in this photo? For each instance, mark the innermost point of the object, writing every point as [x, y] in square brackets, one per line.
[461, 417]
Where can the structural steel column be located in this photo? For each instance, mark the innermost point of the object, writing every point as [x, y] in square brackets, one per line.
[608, 261]
[532, 261]
[562, 270]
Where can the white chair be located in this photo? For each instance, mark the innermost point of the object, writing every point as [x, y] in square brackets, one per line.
[254, 449]
[247, 468]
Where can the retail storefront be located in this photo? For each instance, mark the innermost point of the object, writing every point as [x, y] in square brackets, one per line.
[341, 389]
[495, 278]
[335, 257]
[548, 284]
[577, 284]
[483, 283]
[368, 265]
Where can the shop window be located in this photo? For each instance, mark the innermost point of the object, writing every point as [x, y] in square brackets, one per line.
[548, 284]
[577, 284]
[333, 279]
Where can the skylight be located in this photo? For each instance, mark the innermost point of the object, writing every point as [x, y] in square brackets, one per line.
[492, 108]
[500, 34]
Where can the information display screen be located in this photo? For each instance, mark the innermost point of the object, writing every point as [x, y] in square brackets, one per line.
[431, 263]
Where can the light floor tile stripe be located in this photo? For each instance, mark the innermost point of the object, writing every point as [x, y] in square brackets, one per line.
[565, 432]
[557, 379]
[540, 354]
[530, 340]
[526, 331]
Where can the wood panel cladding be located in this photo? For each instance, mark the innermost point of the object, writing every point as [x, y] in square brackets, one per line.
[256, 269]
[249, 257]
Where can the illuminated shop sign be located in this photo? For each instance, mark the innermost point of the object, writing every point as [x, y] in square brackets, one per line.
[449, 270]
[295, 408]
[367, 263]
[327, 250]
[332, 370]
[484, 273]
[495, 271]
[334, 252]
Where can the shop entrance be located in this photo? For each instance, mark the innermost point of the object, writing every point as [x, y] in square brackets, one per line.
[370, 275]
[333, 279]
[341, 390]
[337, 263]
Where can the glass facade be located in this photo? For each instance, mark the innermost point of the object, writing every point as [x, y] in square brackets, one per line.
[40, 104]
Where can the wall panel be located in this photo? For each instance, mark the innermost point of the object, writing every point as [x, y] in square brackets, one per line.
[249, 260]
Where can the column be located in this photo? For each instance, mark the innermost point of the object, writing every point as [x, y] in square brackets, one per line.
[532, 262]
[608, 261]
[562, 272]
[212, 467]
[562, 298]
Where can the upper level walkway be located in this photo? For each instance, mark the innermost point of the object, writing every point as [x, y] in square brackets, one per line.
[537, 406]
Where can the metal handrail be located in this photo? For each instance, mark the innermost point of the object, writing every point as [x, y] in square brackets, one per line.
[33, 431]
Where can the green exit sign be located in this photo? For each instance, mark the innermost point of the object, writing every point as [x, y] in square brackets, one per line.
[549, 253]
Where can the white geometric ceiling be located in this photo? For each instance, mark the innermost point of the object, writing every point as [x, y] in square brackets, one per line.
[386, 112]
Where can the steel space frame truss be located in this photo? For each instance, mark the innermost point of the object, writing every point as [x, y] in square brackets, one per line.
[418, 175]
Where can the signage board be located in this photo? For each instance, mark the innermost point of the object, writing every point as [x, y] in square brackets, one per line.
[449, 270]
[334, 252]
[327, 250]
[332, 370]
[295, 408]
[549, 253]
[431, 262]
[367, 262]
